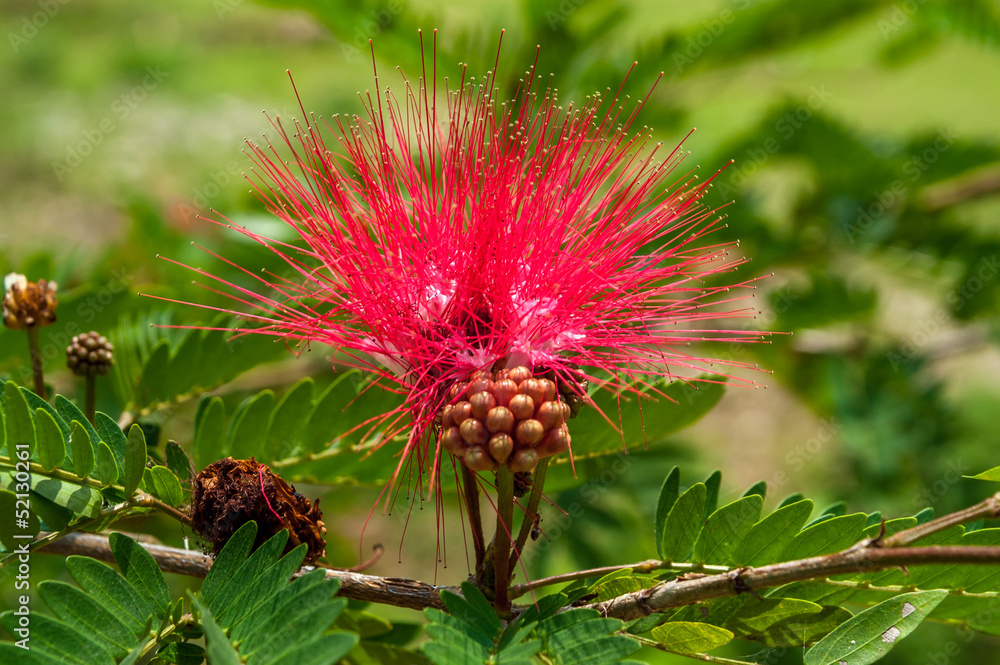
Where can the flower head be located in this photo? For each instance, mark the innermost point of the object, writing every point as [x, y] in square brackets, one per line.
[446, 233]
[28, 304]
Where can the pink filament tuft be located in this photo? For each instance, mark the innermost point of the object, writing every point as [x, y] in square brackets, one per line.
[260, 474]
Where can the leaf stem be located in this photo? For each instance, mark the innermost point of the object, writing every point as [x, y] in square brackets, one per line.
[530, 512]
[501, 540]
[34, 348]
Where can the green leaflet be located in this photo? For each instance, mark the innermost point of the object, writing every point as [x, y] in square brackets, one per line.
[178, 461]
[220, 651]
[473, 634]
[18, 425]
[106, 468]
[112, 435]
[992, 475]
[135, 460]
[57, 640]
[51, 446]
[164, 485]
[683, 523]
[771, 535]
[288, 419]
[871, 634]
[209, 431]
[141, 571]
[82, 450]
[712, 485]
[111, 590]
[321, 428]
[248, 431]
[228, 562]
[79, 499]
[725, 532]
[662, 410]
[70, 412]
[87, 615]
[831, 535]
[784, 621]
[688, 637]
[182, 653]
[669, 492]
[155, 376]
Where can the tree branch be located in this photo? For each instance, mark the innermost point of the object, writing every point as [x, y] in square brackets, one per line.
[400, 592]
[866, 556]
[986, 509]
[647, 566]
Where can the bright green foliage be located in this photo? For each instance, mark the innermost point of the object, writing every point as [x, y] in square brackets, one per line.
[471, 633]
[871, 634]
[77, 470]
[255, 617]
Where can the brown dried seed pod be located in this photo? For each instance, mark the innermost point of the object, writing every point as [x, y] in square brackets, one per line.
[548, 389]
[461, 412]
[529, 432]
[453, 442]
[477, 459]
[519, 374]
[504, 390]
[500, 419]
[501, 447]
[228, 493]
[447, 420]
[474, 432]
[525, 459]
[533, 389]
[556, 441]
[481, 404]
[502, 374]
[522, 406]
[550, 414]
[456, 390]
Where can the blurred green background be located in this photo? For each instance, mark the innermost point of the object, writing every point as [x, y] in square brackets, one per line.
[866, 140]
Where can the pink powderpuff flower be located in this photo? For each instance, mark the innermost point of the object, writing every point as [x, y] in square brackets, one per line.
[446, 232]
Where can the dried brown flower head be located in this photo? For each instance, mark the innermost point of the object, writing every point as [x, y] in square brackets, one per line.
[27, 304]
[229, 493]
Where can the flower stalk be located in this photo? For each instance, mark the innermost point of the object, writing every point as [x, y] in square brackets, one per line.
[501, 541]
[35, 351]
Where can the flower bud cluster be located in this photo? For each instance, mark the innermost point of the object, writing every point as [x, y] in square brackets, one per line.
[89, 354]
[508, 418]
[28, 304]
